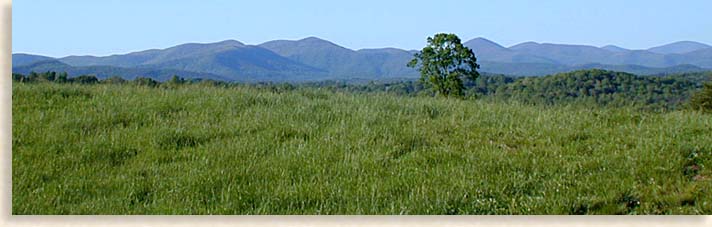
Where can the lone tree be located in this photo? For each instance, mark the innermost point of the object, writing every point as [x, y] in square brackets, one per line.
[444, 62]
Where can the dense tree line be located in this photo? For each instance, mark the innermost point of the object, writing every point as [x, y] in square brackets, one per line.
[62, 77]
[54, 77]
[594, 87]
[597, 87]
[602, 87]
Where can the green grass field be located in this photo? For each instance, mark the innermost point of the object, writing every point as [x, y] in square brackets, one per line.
[121, 149]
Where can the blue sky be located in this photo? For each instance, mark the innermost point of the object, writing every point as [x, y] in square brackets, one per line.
[90, 27]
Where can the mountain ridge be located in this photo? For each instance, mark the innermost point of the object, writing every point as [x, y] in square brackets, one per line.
[312, 58]
[680, 47]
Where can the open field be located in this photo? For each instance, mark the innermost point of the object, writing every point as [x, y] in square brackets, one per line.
[124, 149]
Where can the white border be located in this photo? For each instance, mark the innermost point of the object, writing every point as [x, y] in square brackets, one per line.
[411, 221]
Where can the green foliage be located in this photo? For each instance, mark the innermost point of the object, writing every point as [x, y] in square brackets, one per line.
[444, 62]
[585, 87]
[84, 79]
[115, 80]
[702, 100]
[63, 77]
[174, 82]
[145, 81]
[18, 77]
[211, 83]
[51, 76]
[600, 87]
[251, 149]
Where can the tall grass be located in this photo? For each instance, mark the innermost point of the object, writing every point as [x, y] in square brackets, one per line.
[121, 149]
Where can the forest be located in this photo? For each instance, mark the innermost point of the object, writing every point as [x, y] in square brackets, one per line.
[584, 87]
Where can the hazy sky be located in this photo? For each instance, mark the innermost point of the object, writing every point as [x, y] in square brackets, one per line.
[91, 27]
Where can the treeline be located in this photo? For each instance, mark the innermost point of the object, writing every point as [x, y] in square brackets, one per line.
[605, 88]
[62, 77]
[51, 76]
[587, 87]
[584, 87]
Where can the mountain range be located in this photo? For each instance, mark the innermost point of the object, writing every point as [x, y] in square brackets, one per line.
[311, 59]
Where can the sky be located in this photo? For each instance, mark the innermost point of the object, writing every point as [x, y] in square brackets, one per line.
[89, 27]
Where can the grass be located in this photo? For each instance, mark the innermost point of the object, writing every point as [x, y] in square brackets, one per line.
[120, 149]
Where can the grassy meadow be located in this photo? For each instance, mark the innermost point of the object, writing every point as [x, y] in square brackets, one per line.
[125, 149]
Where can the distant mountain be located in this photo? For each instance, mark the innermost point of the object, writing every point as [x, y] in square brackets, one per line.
[485, 46]
[564, 54]
[343, 62]
[26, 59]
[318, 53]
[311, 59]
[154, 56]
[248, 63]
[571, 55]
[230, 59]
[490, 51]
[679, 47]
[486, 49]
[615, 49]
[638, 57]
[387, 62]
[702, 58]
[41, 66]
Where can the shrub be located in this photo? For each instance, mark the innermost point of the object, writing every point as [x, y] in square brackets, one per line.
[84, 79]
[144, 81]
[115, 80]
[702, 100]
[18, 77]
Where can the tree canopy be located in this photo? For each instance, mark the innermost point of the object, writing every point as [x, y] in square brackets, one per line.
[444, 62]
